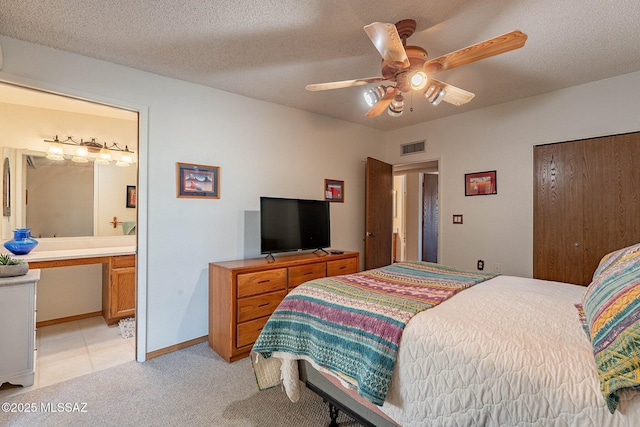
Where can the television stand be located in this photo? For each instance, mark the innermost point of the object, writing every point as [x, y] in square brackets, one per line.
[244, 293]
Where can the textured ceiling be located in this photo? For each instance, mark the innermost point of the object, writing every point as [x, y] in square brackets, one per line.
[271, 49]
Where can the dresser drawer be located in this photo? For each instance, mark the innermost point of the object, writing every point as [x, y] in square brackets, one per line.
[248, 331]
[342, 266]
[262, 282]
[258, 306]
[304, 273]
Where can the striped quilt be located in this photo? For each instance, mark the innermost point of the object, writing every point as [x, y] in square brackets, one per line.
[352, 324]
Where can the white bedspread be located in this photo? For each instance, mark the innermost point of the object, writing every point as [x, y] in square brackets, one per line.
[509, 351]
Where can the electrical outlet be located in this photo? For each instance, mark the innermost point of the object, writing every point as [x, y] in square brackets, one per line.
[496, 268]
[480, 265]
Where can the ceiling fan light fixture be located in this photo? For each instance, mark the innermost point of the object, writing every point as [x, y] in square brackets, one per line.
[418, 80]
[439, 96]
[374, 95]
[397, 106]
[431, 93]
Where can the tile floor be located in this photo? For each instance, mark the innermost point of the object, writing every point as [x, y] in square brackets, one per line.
[71, 349]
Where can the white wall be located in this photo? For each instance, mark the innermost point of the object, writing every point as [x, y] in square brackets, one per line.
[261, 148]
[67, 291]
[499, 228]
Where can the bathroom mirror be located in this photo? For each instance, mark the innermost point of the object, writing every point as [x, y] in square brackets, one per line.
[69, 199]
[59, 197]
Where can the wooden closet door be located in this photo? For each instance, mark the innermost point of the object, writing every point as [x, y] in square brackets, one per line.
[586, 204]
[612, 189]
[558, 212]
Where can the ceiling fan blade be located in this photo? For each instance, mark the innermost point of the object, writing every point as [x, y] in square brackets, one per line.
[453, 95]
[488, 48]
[387, 41]
[344, 83]
[384, 102]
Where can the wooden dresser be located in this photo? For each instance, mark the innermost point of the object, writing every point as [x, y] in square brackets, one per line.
[244, 293]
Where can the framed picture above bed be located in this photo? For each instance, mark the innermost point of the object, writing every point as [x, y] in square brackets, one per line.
[480, 183]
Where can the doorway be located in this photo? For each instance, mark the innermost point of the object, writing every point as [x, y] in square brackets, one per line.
[30, 94]
[416, 212]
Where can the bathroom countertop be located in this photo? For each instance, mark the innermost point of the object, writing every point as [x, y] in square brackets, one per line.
[70, 248]
[75, 253]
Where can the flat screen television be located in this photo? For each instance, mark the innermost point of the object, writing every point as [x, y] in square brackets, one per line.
[293, 224]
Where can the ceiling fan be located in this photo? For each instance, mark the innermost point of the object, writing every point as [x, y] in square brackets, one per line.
[410, 69]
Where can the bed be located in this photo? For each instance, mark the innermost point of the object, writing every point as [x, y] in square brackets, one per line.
[503, 351]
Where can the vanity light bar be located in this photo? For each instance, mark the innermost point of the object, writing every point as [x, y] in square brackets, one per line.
[83, 148]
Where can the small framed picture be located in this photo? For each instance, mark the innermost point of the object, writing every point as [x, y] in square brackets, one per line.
[131, 196]
[334, 190]
[198, 181]
[480, 183]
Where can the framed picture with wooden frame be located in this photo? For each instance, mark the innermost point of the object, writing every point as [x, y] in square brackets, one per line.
[334, 190]
[197, 181]
[480, 183]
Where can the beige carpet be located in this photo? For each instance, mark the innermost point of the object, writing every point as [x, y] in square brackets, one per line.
[190, 387]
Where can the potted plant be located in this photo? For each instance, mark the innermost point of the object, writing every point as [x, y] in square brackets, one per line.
[10, 266]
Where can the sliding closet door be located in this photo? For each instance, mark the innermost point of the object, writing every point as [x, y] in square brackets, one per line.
[612, 219]
[557, 212]
[586, 204]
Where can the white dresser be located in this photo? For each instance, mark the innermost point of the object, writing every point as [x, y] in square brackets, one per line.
[17, 328]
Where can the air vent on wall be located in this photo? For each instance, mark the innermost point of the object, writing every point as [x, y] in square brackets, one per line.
[412, 148]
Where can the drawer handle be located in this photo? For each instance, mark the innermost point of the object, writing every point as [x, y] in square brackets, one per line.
[343, 267]
[264, 281]
[308, 273]
[264, 305]
[259, 329]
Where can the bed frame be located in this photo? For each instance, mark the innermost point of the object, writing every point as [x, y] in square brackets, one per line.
[339, 400]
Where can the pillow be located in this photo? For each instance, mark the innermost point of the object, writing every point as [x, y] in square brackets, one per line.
[612, 310]
[606, 261]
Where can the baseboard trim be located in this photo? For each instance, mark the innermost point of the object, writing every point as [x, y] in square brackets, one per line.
[68, 319]
[175, 347]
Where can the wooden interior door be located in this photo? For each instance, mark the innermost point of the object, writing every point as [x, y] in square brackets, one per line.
[430, 218]
[378, 214]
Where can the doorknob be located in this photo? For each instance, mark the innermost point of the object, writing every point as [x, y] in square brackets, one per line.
[370, 234]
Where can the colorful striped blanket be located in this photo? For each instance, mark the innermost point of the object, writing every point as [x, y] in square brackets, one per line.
[352, 324]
